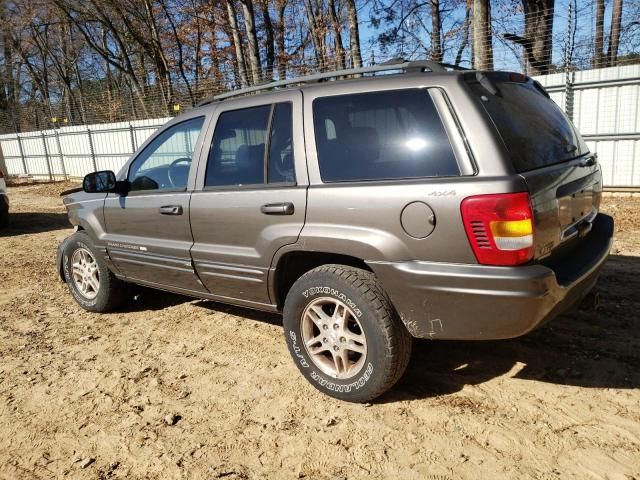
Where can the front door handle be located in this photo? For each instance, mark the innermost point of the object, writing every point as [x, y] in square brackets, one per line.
[284, 208]
[171, 210]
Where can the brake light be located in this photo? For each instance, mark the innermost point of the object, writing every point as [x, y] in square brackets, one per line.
[499, 228]
[1, 174]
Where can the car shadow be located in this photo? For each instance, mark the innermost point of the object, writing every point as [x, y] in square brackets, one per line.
[250, 314]
[21, 223]
[150, 299]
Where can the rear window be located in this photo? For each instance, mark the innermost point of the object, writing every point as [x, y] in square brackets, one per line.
[381, 136]
[535, 131]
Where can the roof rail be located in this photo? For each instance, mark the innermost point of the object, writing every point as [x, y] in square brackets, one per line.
[394, 64]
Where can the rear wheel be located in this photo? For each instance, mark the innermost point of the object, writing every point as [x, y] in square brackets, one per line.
[344, 334]
[90, 281]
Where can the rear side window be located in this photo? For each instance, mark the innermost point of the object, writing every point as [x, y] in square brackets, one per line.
[535, 131]
[281, 146]
[249, 143]
[237, 153]
[381, 136]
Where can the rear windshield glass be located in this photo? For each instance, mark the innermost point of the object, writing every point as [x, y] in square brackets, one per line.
[380, 136]
[534, 129]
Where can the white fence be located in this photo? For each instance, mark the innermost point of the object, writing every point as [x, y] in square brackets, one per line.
[604, 104]
[72, 152]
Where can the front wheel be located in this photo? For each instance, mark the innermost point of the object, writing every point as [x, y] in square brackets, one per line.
[344, 334]
[90, 281]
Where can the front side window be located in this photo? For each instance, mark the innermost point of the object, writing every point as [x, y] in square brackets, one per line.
[164, 164]
[381, 136]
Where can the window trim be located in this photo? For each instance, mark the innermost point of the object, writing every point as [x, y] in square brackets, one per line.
[266, 158]
[151, 139]
[418, 88]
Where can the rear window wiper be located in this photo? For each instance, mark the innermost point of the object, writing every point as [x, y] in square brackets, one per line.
[570, 148]
[487, 84]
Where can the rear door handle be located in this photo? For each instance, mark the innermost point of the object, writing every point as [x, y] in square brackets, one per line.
[284, 208]
[171, 210]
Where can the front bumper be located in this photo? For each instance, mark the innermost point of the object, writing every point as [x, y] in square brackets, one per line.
[479, 302]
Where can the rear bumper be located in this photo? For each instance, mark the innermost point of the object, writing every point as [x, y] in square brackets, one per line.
[478, 302]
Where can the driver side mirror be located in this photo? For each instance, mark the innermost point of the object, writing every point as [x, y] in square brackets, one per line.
[103, 182]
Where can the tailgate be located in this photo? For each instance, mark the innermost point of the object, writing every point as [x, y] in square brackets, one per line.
[563, 178]
[565, 199]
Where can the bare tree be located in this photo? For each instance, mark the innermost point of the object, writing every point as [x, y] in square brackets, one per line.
[337, 34]
[436, 31]
[598, 39]
[269, 37]
[252, 39]
[354, 34]
[614, 37]
[237, 43]
[482, 39]
[538, 34]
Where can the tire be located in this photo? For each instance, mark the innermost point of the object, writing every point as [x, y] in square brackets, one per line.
[108, 294]
[362, 357]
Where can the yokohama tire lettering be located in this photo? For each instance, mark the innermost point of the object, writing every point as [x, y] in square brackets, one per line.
[334, 293]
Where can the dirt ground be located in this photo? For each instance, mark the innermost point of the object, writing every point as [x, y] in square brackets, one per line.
[94, 396]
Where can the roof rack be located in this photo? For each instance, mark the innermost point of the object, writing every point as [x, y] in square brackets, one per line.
[394, 64]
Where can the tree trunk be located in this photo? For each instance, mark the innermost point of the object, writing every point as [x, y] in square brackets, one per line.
[337, 35]
[539, 33]
[614, 38]
[436, 34]
[598, 39]
[465, 34]
[269, 38]
[482, 48]
[237, 43]
[252, 39]
[282, 54]
[354, 34]
[156, 52]
[316, 39]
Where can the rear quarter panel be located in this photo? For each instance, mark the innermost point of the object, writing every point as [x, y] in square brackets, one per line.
[363, 219]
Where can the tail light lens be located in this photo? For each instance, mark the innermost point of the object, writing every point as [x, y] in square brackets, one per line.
[499, 228]
[1, 174]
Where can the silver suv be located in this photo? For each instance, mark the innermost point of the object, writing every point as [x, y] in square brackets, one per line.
[368, 210]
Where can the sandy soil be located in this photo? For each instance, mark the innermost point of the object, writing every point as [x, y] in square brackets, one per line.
[178, 388]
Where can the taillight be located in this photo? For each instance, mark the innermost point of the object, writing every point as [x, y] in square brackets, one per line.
[499, 227]
[1, 174]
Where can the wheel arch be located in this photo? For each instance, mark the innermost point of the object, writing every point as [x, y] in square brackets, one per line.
[293, 264]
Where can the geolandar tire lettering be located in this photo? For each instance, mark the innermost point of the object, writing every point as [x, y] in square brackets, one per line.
[343, 333]
[90, 281]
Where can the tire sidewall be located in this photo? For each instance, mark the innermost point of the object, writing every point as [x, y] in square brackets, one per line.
[372, 374]
[74, 243]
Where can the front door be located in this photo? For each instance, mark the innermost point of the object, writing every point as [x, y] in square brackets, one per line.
[148, 231]
[250, 196]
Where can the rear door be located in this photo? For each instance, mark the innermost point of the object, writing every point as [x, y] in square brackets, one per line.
[148, 230]
[250, 196]
[563, 177]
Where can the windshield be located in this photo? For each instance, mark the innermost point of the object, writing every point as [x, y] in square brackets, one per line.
[534, 129]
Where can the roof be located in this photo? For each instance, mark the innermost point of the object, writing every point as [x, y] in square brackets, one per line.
[352, 74]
